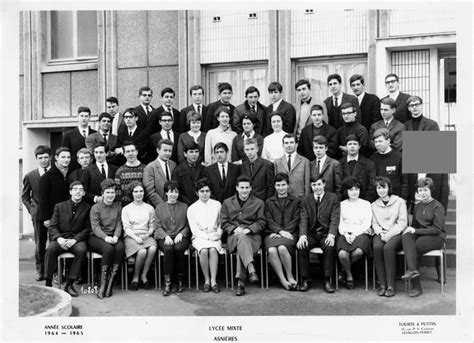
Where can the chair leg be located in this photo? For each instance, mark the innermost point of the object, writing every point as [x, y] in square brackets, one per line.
[197, 271]
[366, 274]
[407, 284]
[443, 275]
[231, 272]
[60, 273]
[159, 269]
[156, 275]
[337, 276]
[261, 269]
[296, 267]
[266, 266]
[226, 271]
[125, 275]
[373, 276]
[189, 268]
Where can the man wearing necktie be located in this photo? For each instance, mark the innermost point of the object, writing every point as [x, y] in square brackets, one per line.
[132, 132]
[388, 108]
[325, 166]
[251, 107]
[104, 136]
[337, 98]
[114, 110]
[166, 132]
[369, 103]
[144, 109]
[197, 96]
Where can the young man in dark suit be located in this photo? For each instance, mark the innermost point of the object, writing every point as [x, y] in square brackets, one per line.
[318, 128]
[393, 86]
[369, 103]
[75, 139]
[319, 223]
[166, 124]
[145, 94]
[84, 158]
[114, 110]
[68, 231]
[132, 132]
[104, 135]
[197, 94]
[351, 127]
[287, 110]
[30, 196]
[243, 219]
[259, 171]
[326, 167]
[96, 173]
[222, 175]
[338, 97]
[209, 120]
[188, 172]
[395, 128]
[251, 107]
[418, 122]
[304, 104]
[360, 167]
[179, 122]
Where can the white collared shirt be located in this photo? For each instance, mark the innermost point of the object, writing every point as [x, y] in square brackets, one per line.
[251, 134]
[132, 130]
[170, 110]
[322, 160]
[196, 108]
[226, 168]
[318, 196]
[164, 134]
[355, 158]
[291, 156]
[81, 131]
[106, 167]
[163, 166]
[147, 108]
[115, 123]
[276, 104]
[387, 122]
[41, 170]
[361, 97]
[339, 99]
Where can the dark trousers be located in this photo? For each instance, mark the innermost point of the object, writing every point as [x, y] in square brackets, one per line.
[79, 250]
[41, 237]
[415, 246]
[174, 259]
[329, 255]
[111, 253]
[385, 259]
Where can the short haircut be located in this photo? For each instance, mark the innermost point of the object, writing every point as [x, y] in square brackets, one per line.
[289, 136]
[201, 183]
[112, 99]
[348, 183]
[252, 118]
[351, 138]
[196, 88]
[426, 182]
[336, 77]
[193, 116]
[382, 132]
[316, 108]
[252, 140]
[221, 145]
[62, 149]
[190, 146]
[243, 178]
[101, 144]
[84, 109]
[83, 151]
[252, 89]
[171, 185]
[75, 183]
[223, 86]
[132, 186]
[132, 111]
[42, 149]
[316, 178]
[302, 82]
[392, 75]
[144, 89]
[356, 77]
[347, 105]
[275, 113]
[106, 184]
[222, 109]
[167, 90]
[166, 114]
[383, 181]
[281, 177]
[128, 142]
[414, 98]
[389, 102]
[275, 86]
[105, 115]
[321, 140]
[163, 141]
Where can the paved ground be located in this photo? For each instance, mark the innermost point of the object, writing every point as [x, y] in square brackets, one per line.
[275, 301]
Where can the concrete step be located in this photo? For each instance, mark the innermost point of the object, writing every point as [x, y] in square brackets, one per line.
[450, 227]
[451, 215]
[451, 242]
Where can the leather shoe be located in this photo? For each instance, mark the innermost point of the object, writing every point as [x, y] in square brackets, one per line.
[390, 292]
[414, 292]
[253, 278]
[71, 291]
[328, 287]
[411, 274]
[146, 285]
[206, 288]
[39, 277]
[350, 284]
[215, 288]
[134, 286]
[240, 290]
[293, 287]
[381, 291]
[304, 286]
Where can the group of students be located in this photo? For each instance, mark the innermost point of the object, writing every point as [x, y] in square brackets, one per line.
[295, 177]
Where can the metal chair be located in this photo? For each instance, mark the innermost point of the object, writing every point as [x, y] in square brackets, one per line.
[62, 257]
[195, 253]
[366, 262]
[266, 266]
[95, 256]
[131, 260]
[160, 253]
[259, 252]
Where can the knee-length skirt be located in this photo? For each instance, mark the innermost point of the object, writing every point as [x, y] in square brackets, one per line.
[290, 244]
[132, 247]
[199, 244]
[362, 241]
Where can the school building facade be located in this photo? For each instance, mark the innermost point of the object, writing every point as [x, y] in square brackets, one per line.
[79, 58]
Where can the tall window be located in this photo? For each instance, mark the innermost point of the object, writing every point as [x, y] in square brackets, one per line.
[72, 36]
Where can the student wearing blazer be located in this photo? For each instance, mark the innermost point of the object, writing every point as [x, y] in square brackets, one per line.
[326, 167]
